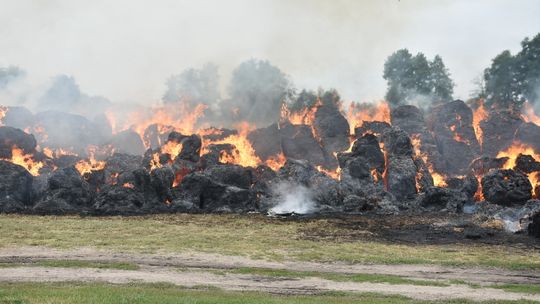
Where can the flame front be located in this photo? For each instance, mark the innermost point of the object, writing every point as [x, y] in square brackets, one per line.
[357, 114]
[479, 115]
[27, 161]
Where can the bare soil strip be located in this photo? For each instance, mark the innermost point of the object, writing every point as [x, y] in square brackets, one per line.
[199, 269]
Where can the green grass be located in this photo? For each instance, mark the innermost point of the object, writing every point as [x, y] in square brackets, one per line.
[338, 277]
[255, 236]
[98, 293]
[522, 288]
[75, 264]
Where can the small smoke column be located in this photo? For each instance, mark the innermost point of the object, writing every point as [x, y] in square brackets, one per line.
[292, 198]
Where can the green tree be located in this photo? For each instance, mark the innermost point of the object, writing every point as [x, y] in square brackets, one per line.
[412, 77]
[194, 86]
[257, 91]
[511, 80]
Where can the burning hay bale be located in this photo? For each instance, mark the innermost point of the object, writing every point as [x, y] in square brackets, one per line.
[452, 126]
[332, 130]
[15, 188]
[127, 142]
[506, 187]
[400, 167]
[298, 142]
[12, 137]
[18, 117]
[498, 131]
[266, 141]
[529, 134]
[66, 192]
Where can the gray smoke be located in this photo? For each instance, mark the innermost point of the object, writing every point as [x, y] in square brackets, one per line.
[293, 198]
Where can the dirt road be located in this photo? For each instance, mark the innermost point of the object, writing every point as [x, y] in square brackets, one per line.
[211, 270]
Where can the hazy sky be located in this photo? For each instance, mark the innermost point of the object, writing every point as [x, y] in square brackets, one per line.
[126, 49]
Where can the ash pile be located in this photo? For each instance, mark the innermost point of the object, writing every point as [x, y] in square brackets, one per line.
[455, 158]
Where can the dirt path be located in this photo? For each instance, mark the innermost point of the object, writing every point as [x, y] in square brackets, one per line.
[199, 269]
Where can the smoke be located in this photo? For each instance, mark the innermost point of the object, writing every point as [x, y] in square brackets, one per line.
[293, 198]
[127, 49]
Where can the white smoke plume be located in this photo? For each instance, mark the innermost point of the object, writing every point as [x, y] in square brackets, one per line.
[293, 198]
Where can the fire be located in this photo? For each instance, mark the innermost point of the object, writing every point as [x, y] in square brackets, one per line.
[3, 111]
[87, 166]
[358, 113]
[333, 174]
[181, 117]
[513, 152]
[479, 115]
[18, 157]
[438, 179]
[244, 153]
[155, 162]
[277, 161]
[304, 117]
[128, 185]
[528, 114]
[172, 148]
[56, 153]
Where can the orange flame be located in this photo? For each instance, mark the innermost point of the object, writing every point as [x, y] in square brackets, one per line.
[333, 174]
[358, 113]
[513, 152]
[438, 179]
[128, 185]
[277, 161]
[479, 115]
[244, 154]
[18, 157]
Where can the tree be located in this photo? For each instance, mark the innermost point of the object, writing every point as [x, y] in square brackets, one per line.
[307, 99]
[63, 94]
[194, 86]
[411, 77]
[511, 80]
[501, 81]
[257, 90]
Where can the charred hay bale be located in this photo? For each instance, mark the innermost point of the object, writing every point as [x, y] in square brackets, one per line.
[67, 192]
[18, 117]
[119, 163]
[424, 180]
[119, 200]
[443, 199]
[266, 141]
[408, 118]
[127, 142]
[373, 127]
[11, 137]
[484, 164]
[506, 187]
[264, 178]
[15, 188]
[64, 161]
[198, 192]
[452, 126]
[529, 134]
[325, 191]
[162, 181]
[191, 148]
[400, 167]
[332, 130]
[233, 175]
[297, 142]
[526, 164]
[467, 185]
[368, 147]
[498, 131]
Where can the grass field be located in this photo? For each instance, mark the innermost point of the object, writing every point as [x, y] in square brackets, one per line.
[247, 235]
[96, 293]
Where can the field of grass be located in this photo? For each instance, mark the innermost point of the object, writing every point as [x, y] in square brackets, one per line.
[76, 264]
[248, 235]
[97, 293]
[338, 277]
